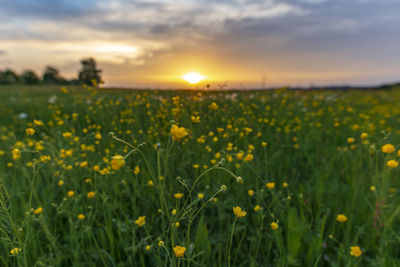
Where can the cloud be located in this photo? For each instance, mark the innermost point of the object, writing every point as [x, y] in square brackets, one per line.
[151, 39]
[2, 52]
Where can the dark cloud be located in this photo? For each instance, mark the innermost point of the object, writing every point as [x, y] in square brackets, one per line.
[48, 9]
[286, 35]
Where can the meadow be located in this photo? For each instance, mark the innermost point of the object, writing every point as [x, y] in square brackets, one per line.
[100, 177]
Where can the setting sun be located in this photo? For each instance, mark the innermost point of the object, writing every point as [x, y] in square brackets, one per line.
[193, 77]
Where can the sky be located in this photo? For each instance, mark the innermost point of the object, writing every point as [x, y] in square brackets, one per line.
[238, 43]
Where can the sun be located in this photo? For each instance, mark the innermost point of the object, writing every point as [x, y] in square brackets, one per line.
[193, 77]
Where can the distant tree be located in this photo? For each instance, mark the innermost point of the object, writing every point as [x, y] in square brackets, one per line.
[51, 75]
[29, 77]
[8, 77]
[89, 72]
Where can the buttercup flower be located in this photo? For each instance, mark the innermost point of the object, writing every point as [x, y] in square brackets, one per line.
[178, 195]
[249, 157]
[364, 135]
[15, 251]
[250, 192]
[392, 164]
[239, 212]
[341, 218]
[274, 226]
[355, 251]
[141, 221]
[117, 162]
[30, 131]
[178, 133]
[270, 185]
[16, 154]
[388, 149]
[38, 210]
[179, 251]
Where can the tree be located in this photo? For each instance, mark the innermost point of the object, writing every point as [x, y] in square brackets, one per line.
[29, 77]
[89, 72]
[8, 77]
[51, 75]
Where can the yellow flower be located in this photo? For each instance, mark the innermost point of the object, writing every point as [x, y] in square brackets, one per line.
[136, 170]
[81, 217]
[147, 248]
[30, 131]
[117, 162]
[15, 251]
[388, 148]
[60, 183]
[249, 157]
[178, 133]
[364, 135]
[213, 106]
[150, 183]
[173, 212]
[274, 226]
[160, 243]
[195, 119]
[200, 195]
[285, 185]
[350, 140]
[16, 154]
[341, 218]
[38, 123]
[71, 193]
[67, 135]
[38, 210]
[270, 185]
[392, 164]
[178, 195]
[257, 208]
[239, 212]
[372, 188]
[240, 155]
[355, 251]
[264, 144]
[251, 192]
[179, 251]
[83, 164]
[141, 221]
[90, 194]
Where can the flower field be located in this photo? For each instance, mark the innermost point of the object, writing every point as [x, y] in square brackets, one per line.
[96, 177]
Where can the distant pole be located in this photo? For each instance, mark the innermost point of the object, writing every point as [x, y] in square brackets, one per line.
[263, 81]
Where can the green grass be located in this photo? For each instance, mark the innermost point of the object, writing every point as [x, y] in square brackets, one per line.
[306, 133]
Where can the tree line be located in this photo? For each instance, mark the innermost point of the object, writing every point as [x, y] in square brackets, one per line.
[86, 75]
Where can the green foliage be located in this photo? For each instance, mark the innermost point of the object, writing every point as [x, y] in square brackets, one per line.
[89, 73]
[29, 77]
[52, 76]
[8, 77]
[58, 148]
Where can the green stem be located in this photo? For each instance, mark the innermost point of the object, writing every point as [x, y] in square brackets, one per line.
[230, 244]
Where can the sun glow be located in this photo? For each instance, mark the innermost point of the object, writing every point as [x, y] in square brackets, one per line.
[193, 77]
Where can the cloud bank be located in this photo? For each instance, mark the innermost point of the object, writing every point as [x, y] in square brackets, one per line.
[152, 42]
